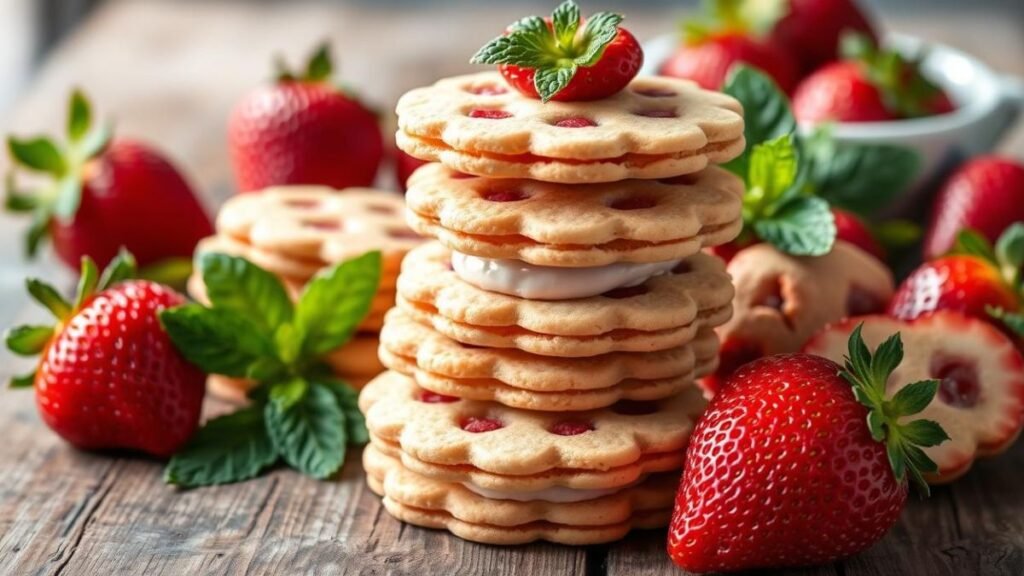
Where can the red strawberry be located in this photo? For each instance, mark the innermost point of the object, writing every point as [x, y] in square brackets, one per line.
[985, 194]
[800, 461]
[304, 130]
[106, 195]
[405, 165]
[978, 280]
[558, 59]
[811, 29]
[871, 85]
[980, 400]
[109, 376]
[852, 229]
[707, 59]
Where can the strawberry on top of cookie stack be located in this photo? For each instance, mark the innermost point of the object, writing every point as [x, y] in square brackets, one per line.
[543, 350]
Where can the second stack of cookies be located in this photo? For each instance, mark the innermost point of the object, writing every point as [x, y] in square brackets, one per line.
[543, 351]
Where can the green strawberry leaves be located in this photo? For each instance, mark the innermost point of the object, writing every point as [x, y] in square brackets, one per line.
[253, 330]
[555, 52]
[904, 89]
[32, 340]
[226, 449]
[1007, 256]
[61, 196]
[868, 373]
[319, 67]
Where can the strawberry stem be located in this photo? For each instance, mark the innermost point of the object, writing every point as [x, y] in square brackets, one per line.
[868, 373]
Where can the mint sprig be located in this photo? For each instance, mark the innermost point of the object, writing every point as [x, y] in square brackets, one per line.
[60, 194]
[555, 52]
[299, 411]
[868, 373]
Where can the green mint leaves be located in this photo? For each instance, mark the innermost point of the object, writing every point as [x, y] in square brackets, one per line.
[299, 413]
[792, 179]
[61, 196]
[555, 52]
[869, 374]
[32, 340]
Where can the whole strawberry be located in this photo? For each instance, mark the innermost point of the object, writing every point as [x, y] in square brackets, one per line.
[869, 85]
[729, 33]
[302, 129]
[563, 58]
[811, 29]
[986, 194]
[105, 194]
[108, 375]
[851, 228]
[977, 279]
[405, 165]
[799, 461]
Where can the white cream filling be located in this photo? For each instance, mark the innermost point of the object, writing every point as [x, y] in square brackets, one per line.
[557, 494]
[517, 278]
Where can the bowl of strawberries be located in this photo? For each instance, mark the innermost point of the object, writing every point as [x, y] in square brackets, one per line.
[844, 77]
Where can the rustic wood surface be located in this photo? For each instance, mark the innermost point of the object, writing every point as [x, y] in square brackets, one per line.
[169, 72]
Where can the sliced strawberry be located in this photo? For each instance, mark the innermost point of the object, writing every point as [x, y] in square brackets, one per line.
[981, 395]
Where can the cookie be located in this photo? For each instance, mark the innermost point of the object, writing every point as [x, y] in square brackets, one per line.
[664, 312]
[505, 521]
[502, 440]
[314, 223]
[576, 226]
[655, 128]
[522, 380]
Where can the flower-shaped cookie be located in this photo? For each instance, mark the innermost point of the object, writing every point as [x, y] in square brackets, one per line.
[582, 225]
[655, 128]
[980, 403]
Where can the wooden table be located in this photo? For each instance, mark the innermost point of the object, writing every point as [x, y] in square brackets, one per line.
[169, 72]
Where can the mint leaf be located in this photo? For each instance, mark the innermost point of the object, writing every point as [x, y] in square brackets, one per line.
[218, 341]
[771, 172]
[49, 297]
[599, 32]
[227, 449]
[121, 268]
[310, 435]
[39, 154]
[288, 394]
[551, 81]
[862, 178]
[236, 284]
[348, 399]
[28, 340]
[79, 116]
[801, 227]
[766, 111]
[566, 21]
[335, 302]
[527, 44]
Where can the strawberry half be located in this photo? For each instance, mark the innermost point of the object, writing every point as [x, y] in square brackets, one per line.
[105, 195]
[869, 85]
[980, 400]
[801, 461]
[109, 376]
[977, 279]
[303, 129]
[557, 59]
[986, 195]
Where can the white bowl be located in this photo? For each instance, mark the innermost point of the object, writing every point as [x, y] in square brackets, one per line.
[987, 103]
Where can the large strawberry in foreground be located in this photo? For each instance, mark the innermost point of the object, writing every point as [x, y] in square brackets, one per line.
[109, 376]
[564, 58]
[980, 400]
[303, 129]
[800, 461]
[105, 194]
[986, 194]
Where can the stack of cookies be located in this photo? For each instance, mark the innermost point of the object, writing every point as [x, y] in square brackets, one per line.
[543, 351]
[296, 231]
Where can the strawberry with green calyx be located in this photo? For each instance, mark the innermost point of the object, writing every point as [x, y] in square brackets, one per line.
[106, 193]
[869, 85]
[976, 279]
[108, 376]
[564, 59]
[809, 480]
[300, 412]
[304, 129]
[733, 32]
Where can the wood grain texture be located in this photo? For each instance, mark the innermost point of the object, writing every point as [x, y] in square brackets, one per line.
[169, 72]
